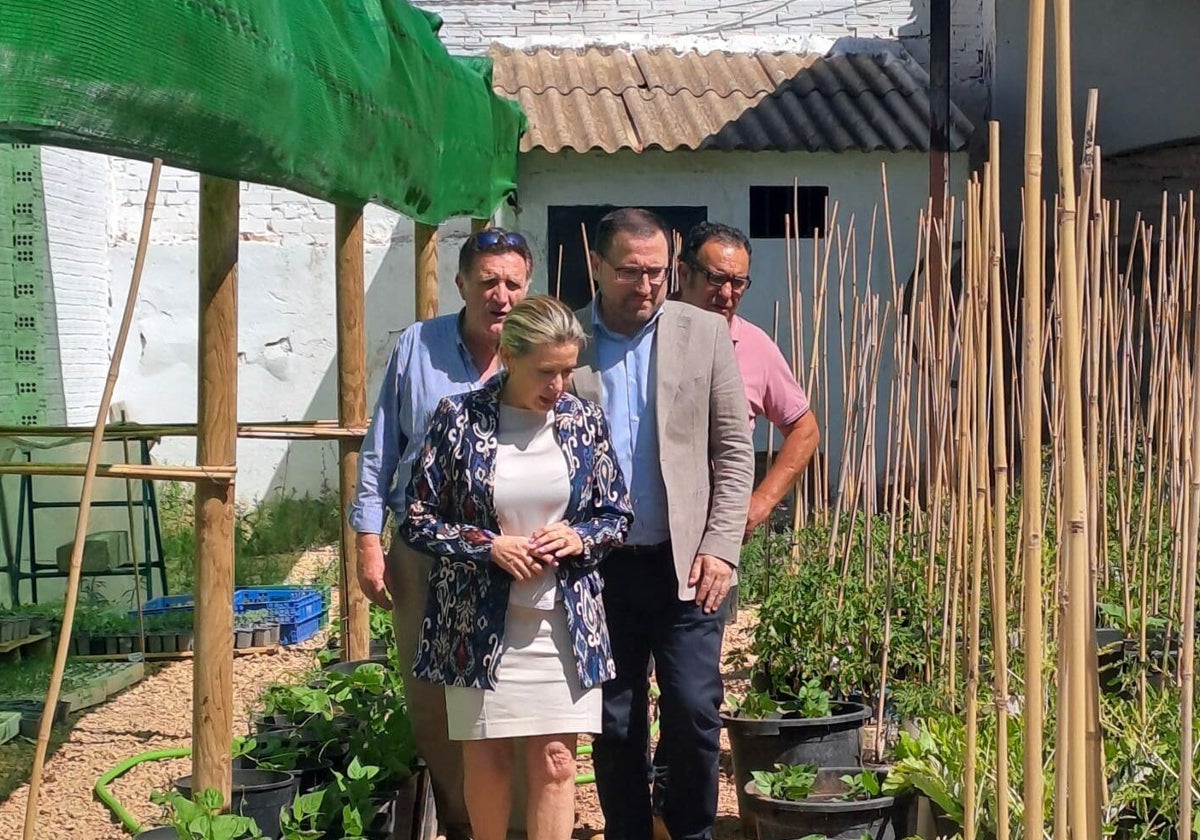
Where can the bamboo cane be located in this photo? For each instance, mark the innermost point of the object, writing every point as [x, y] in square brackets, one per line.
[85, 504]
[999, 550]
[1081, 732]
[558, 272]
[974, 383]
[588, 262]
[1187, 630]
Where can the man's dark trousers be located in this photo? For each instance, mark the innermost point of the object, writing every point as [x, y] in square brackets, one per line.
[645, 616]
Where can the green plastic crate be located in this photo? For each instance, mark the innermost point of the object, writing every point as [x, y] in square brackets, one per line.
[10, 726]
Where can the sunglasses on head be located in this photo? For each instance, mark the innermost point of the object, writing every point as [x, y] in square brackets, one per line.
[497, 238]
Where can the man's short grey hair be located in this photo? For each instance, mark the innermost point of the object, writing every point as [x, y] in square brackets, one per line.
[539, 321]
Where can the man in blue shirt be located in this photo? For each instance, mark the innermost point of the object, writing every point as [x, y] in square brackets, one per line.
[441, 357]
[666, 376]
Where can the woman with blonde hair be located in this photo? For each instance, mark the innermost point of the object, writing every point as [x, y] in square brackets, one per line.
[518, 496]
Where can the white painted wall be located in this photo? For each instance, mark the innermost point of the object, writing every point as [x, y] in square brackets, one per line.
[722, 180]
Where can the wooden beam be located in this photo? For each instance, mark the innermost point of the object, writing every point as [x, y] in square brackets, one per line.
[282, 430]
[425, 239]
[153, 472]
[352, 411]
[216, 445]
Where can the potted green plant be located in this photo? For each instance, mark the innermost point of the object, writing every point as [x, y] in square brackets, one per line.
[794, 728]
[839, 803]
[382, 639]
[200, 819]
[282, 750]
[258, 795]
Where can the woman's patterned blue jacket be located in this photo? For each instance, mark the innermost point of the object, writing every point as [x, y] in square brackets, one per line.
[451, 516]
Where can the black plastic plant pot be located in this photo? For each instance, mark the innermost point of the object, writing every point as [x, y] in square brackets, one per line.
[761, 743]
[311, 771]
[258, 794]
[354, 664]
[1110, 655]
[395, 814]
[271, 723]
[165, 832]
[824, 812]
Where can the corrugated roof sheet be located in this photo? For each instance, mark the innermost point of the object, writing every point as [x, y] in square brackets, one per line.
[610, 98]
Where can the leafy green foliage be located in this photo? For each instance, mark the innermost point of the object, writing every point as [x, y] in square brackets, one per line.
[931, 764]
[810, 700]
[862, 785]
[305, 820]
[1141, 760]
[201, 818]
[821, 622]
[791, 782]
[268, 540]
[345, 808]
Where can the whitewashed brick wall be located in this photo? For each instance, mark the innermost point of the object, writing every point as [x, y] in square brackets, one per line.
[76, 187]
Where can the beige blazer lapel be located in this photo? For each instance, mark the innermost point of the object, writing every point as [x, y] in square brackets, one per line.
[670, 361]
[585, 382]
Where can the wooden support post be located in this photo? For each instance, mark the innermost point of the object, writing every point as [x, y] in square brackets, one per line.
[352, 411]
[425, 239]
[216, 444]
[480, 224]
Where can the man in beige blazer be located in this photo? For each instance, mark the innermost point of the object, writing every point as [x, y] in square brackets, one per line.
[666, 375]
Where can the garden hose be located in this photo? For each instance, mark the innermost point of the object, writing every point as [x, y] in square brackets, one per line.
[109, 801]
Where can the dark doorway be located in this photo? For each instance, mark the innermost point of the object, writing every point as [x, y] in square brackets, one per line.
[563, 231]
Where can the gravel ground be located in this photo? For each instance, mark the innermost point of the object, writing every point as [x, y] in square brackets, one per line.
[157, 714]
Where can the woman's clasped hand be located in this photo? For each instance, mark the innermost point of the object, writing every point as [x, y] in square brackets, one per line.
[527, 557]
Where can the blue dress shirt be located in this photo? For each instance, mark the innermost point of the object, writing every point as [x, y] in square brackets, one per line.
[428, 362]
[627, 365]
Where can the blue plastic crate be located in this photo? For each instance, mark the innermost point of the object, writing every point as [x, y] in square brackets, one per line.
[292, 633]
[167, 604]
[287, 606]
[323, 588]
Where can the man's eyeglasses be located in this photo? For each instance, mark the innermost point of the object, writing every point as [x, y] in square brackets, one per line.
[657, 275]
[738, 283]
[489, 238]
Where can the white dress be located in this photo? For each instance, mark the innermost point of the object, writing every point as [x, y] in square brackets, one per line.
[537, 684]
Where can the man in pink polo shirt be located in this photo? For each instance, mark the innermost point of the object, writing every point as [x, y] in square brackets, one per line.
[714, 273]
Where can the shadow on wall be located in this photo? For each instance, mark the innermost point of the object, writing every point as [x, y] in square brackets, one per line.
[312, 466]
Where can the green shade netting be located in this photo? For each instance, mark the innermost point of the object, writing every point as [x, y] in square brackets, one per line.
[351, 101]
